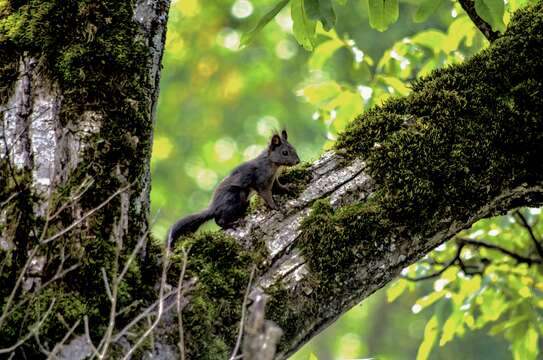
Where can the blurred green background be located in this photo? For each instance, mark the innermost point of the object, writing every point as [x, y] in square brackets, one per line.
[219, 104]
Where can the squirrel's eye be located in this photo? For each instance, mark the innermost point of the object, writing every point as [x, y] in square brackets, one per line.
[285, 153]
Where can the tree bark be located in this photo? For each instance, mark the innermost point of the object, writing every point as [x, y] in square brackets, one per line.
[78, 94]
[405, 177]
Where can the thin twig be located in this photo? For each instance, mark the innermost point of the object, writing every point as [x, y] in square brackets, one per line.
[441, 271]
[106, 284]
[113, 289]
[17, 284]
[86, 185]
[517, 257]
[9, 199]
[133, 255]
[87, 335]
[42, 348]
[57, 276]
[178, 303]
[163, 278]
[483, 26]
[78, 221]
[243, 310]
[140, 316]
[64, 339]
[32, 331]
[527, 226]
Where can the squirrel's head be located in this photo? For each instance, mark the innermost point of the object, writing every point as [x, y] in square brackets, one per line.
[281, 152]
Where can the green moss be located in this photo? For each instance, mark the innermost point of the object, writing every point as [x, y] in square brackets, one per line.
[465, 135]
[66, 308]
[8, 73]
[296, 178]
[211, 320]
[460, 134]
[285, 310]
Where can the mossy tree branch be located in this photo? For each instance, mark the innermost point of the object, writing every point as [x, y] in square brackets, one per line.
[467, 143]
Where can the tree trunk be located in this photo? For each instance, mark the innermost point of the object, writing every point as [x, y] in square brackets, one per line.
[78, 95]
[467, 143]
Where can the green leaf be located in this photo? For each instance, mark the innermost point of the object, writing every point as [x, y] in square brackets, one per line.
[395, 84]
[312, 9]
[323, 52]
[321, 10]
[312, 356]
[382, 13]
[491, 11]
[328, 15]
[425, 9]
[319, 94]
[459, 29]
[505, 325]
[429, 299]
[350, 104]
[525, 343]
[430, 335]
[303, 27]
[249, 36]
[431, 39]
[453, 325]
[396, 289]
[341, 2]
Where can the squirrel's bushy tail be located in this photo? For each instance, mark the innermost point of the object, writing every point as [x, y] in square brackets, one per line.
[188, 224]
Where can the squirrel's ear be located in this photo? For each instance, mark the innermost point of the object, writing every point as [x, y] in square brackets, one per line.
[284, 134]
[275, 141]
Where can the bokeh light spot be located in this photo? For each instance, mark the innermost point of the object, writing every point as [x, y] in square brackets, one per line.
[285, 49]
[242, 9]
[189, 8]
[225, 149]
[251, 152]
[229, 39]
[162, 147]
[206, 178]
[266, 125]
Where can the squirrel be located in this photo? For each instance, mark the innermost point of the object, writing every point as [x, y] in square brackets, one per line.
[231, 198]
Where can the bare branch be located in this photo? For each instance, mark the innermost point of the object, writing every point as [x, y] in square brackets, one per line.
[242, 321]
[517, 257]
[9, 199]
[87, 335]
[528, 228]
[261, 335]
[17, 284]
[33, 330]
[106, 285]
[441, 271]
[78, 221]
[178, 303]
[165, 265]
[483, 26]
[59, 345]
[140, 316]
[132, 256]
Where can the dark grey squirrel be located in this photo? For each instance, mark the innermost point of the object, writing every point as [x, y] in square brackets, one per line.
[231, 198]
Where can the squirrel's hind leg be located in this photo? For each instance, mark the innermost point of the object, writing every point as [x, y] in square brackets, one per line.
[232, 208]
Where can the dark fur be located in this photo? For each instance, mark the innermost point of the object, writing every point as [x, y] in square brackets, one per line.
[231, 198]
